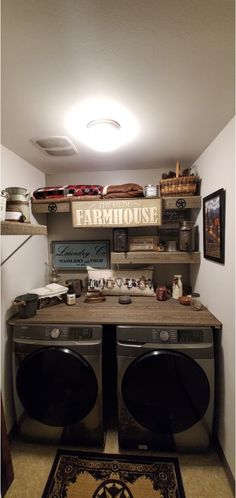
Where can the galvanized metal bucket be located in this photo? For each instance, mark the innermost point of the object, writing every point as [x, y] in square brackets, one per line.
[18, 200]
[27, 304]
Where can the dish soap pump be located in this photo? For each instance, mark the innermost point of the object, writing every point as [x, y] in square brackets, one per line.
[70, 297]
[177, 286]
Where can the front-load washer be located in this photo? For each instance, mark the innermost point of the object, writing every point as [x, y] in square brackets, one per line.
[165, 387]
[57, 377]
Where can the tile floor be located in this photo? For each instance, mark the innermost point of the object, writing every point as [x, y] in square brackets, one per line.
[203, 475]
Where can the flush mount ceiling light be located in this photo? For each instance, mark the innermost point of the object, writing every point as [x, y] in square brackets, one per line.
[102, 125]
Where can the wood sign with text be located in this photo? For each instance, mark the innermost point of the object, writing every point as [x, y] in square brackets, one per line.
[116, 212]
[74, 254]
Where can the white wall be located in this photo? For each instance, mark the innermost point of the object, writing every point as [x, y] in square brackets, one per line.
[216, 282]
[23, 271]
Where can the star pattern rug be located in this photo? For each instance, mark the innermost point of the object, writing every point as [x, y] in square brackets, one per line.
[87, 475]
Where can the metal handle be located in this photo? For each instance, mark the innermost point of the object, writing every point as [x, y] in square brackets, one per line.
[19, 303]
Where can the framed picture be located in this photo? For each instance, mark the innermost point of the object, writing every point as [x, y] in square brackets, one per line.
[78, 254]
[214, 226]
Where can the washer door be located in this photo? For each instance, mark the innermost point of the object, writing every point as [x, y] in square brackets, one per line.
[56, 386]
[165, 391]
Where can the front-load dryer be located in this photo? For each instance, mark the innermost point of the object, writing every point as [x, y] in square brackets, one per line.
[57, 375]
[165, 387]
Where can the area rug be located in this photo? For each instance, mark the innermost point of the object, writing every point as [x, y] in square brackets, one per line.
[88, 475]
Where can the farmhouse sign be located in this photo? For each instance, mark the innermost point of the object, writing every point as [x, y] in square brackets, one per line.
[71, 255]
[117, 212]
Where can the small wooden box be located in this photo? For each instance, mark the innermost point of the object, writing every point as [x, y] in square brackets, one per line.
[145, 243]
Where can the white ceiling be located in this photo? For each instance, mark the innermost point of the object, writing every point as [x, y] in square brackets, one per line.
[170, 62]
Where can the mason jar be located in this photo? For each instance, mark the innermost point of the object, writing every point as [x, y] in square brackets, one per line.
[186, 236]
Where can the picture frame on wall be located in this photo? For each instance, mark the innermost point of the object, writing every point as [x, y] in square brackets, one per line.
[214, 226]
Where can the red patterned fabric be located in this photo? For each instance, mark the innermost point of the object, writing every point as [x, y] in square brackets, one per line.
[67, 190]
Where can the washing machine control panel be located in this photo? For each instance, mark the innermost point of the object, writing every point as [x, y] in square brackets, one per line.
[55, 333]
[164, 335]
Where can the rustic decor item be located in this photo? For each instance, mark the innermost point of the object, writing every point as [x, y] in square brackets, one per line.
[214, 226]
[116, 212]
[121, 282]
[86, 475]
[177, 185]
[143, 243]
[74, 254]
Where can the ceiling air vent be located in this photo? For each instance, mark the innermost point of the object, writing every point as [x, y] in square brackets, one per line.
[55, 146]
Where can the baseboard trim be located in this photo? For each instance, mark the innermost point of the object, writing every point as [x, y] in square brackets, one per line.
[224, 463]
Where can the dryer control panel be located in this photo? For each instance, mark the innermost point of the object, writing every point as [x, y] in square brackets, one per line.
[164, 335]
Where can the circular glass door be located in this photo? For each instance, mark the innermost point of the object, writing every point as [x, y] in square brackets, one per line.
[56, 386]
[165, 391]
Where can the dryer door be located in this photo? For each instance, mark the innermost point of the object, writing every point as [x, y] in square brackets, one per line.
[56, 386]
[165, 391]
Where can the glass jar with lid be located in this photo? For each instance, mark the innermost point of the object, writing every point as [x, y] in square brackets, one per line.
[186, 236]
[195, 301]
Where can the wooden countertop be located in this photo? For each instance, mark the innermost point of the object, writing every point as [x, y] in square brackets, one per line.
[142, 311]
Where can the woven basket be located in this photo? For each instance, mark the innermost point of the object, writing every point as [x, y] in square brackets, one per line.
[178, 185]
[183, 185]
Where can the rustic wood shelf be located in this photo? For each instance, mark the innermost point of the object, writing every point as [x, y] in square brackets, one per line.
[17, 228]
[145, 310]
[147, 257]
[180, 202]
[58, 205]
[63, 205]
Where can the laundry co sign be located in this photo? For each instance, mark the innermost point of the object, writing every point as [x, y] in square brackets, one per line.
[117, 212]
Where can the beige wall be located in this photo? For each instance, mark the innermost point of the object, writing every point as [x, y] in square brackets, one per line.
[216, 282]
[23, 271]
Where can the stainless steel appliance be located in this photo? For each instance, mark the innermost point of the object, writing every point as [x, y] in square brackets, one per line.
[165, 387]
[57, 378]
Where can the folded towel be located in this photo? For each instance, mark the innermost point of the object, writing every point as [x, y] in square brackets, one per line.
[49, 290]
[123, 190]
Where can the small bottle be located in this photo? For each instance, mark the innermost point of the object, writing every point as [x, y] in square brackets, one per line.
[177, 286]
[70, 297]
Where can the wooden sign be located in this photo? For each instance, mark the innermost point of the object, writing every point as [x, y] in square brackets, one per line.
[116, 213]
[71, 255]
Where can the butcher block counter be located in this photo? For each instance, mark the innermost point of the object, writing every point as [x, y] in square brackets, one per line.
[142, 311]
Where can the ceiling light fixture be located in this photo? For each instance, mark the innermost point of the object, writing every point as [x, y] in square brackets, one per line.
[102, 125]
[103, 134]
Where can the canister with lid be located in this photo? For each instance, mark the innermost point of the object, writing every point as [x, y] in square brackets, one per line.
[18, 200]
[186, 236]
[120, 239]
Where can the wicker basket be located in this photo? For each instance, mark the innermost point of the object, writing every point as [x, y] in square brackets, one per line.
[178, 185]
[183, 185]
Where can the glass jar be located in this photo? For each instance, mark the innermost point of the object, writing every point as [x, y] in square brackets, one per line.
[195, 301]
[177, 286]
[186, 236]
[161, 293]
